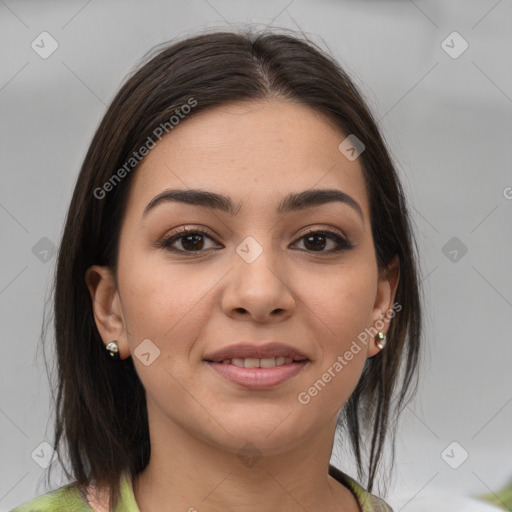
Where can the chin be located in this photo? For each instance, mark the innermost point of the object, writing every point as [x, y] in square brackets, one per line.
[271, 437]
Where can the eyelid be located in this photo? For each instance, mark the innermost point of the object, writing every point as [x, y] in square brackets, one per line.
[315, 229]
[342, 241]
[303, 232]
[166, 241]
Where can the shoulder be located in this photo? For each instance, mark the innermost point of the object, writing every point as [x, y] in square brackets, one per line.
[69, 498]
[368, 502]
[62, 499]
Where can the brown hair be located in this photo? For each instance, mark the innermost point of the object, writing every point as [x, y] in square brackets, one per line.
[100, 406]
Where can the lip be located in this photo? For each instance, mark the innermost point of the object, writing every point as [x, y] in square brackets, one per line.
[258, 378]
[245, 350]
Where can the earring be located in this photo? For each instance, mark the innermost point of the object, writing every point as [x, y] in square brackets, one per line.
[113, 348]
[380, 340]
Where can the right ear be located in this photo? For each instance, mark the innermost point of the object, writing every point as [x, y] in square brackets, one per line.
[106, 307]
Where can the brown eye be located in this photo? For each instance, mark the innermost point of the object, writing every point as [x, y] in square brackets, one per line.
[189, 240]
[194, 240]
[317, 241]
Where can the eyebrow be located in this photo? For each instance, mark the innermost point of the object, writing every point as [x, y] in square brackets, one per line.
[292, 202]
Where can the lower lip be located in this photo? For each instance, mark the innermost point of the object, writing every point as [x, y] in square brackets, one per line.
[258, 378]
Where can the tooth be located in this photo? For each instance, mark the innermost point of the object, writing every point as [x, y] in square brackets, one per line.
[288, 360]
[226, 361]
[251, 363]
[269, 362]
[280, 361]
[237, 362]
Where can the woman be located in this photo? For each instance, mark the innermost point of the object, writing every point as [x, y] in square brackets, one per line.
[236, 278]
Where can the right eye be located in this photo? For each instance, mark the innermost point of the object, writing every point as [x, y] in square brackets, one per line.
[191, 241]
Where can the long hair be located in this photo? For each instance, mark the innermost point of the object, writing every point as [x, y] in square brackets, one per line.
[100, 405]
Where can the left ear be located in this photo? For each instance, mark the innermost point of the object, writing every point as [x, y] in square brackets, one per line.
[384, 300]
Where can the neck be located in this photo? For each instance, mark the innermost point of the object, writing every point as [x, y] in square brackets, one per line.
[188, 474]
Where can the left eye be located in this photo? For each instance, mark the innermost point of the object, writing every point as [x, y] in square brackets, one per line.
[319, 239]
[314, 241]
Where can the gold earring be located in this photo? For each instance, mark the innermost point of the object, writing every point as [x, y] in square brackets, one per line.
[380, 340]
[113, 348]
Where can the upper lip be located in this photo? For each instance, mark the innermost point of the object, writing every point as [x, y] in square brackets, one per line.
[255, 351]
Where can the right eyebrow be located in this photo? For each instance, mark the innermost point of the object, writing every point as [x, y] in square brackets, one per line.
[292, 202]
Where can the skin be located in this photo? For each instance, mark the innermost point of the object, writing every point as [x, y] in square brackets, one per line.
[192, 303]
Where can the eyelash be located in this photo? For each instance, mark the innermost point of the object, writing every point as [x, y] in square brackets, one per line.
[166, 243]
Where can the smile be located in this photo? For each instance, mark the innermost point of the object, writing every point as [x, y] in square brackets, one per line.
[268, 362]
[253, 374]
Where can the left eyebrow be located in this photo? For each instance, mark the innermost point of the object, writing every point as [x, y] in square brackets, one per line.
[292, 202]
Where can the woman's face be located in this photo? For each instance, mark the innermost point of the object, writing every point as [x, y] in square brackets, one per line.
[301, 273]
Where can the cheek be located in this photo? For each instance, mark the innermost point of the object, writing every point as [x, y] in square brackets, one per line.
[170, 309]
[342, 356]
[164, 303]
[341, 308]
[341, 302]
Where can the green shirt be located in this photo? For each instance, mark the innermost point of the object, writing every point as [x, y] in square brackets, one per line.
[69, 499]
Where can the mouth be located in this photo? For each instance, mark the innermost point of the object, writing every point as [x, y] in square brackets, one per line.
[267, 362]
[257, 367]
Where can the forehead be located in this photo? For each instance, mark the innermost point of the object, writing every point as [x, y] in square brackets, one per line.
[258, 151]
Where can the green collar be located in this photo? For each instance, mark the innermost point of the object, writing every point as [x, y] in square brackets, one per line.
[68, 497]
[127, 502]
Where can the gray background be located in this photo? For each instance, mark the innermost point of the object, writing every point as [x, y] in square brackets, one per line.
[448, 124]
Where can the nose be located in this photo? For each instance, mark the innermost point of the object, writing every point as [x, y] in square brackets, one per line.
[258, 290]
